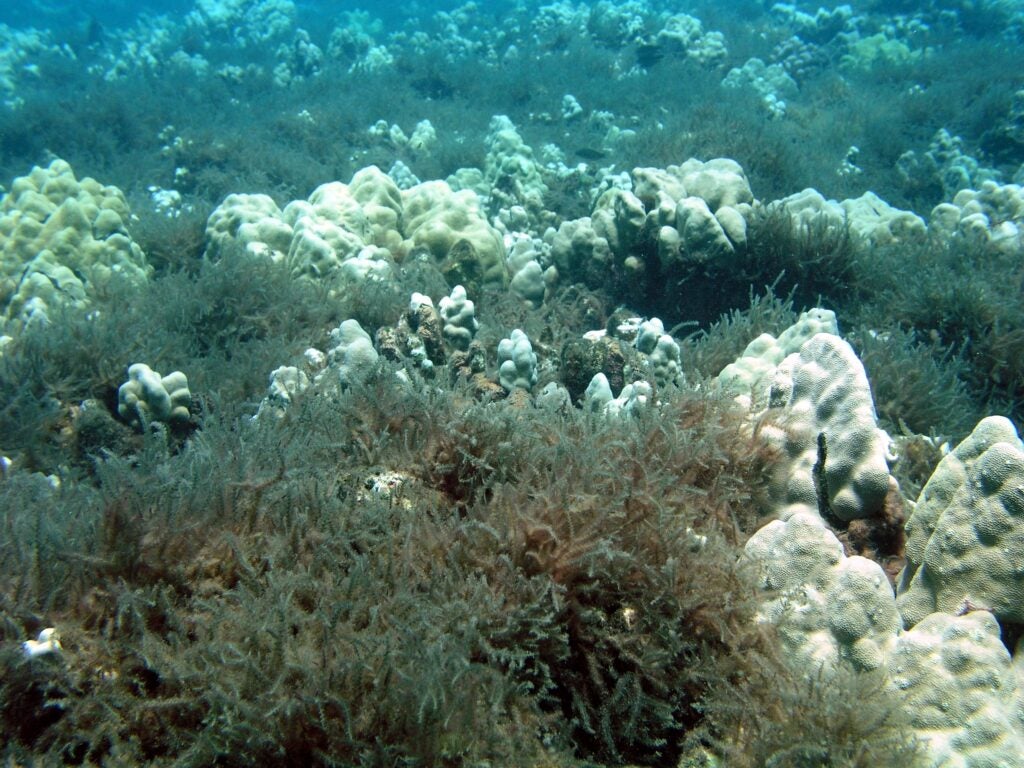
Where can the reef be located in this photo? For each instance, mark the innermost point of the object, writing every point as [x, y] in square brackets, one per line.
[534, 432]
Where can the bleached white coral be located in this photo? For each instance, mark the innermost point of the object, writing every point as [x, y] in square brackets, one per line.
[511, 171]
[769, 81]
[460, 324]
[951, 675]
[352, 355]
[993, 214]
[147, 396]
[46, 644]
[517, 362]
[965, 535]
[249, 22]
[599, 397]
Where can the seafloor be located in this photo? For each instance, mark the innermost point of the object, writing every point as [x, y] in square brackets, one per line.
[542, 384]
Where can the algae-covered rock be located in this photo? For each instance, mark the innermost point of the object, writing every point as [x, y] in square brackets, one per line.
[584, 358]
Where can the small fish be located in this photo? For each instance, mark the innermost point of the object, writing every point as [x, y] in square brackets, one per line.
[590, 153]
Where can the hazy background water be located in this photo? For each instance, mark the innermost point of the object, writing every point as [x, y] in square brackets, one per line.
[118, 13]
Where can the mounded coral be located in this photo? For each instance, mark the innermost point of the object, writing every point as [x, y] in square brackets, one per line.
[965, 537]
[961, 690]
[512, 173]
[686, 214]
[945, 165]
[749, 376]
[770, 81]
[870, 219]
[529, 279]
[577, 249]
[878, 223]
[836, 456]
[248, 22]
[662, 353]
[952, 676]
[821, 27]
[991, 214]
[599, 397]
[809, 209]
[684, 35]
[286, 382]
[298, 60]
[829, 607]
[517, 362]
[252, 221]
[360, 229]
[872, 50]
[450, 226]
[60, 239]
[717, 182]
[147, 396]
[694, 208]
[459, 316]
[346, 227]
[18, 50]
[340, 228]
[351, 356]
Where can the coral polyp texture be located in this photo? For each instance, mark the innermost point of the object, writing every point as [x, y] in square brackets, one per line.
[612, 383]
[837, 454]
[965, 538]
[831, 608]
[952, 673]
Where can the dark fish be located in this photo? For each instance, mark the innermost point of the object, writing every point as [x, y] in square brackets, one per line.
[649, 54]
[589, 153]
[94, 32]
